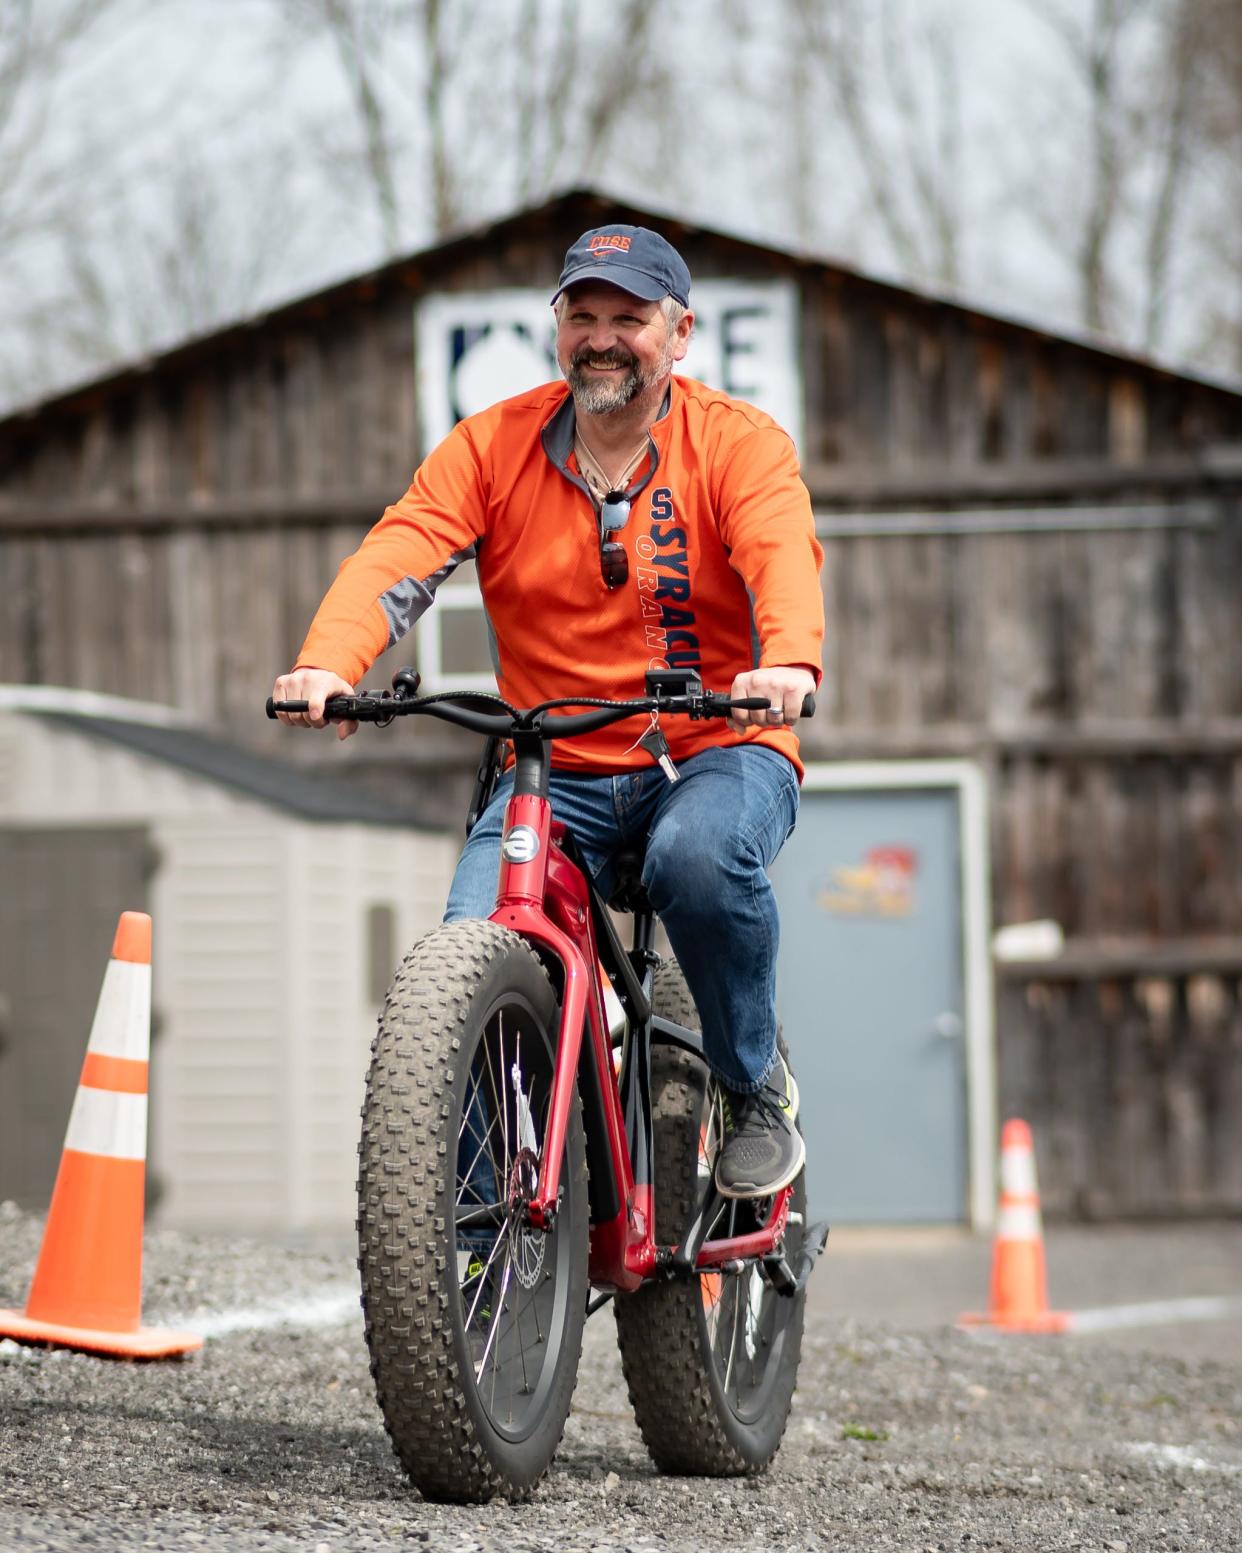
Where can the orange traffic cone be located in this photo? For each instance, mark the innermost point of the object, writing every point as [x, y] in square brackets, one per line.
[87, 1287]
[1018, 1301]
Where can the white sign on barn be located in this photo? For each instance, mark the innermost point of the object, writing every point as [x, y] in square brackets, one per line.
[476, 347]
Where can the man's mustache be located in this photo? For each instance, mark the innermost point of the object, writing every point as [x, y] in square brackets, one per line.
[587, 358]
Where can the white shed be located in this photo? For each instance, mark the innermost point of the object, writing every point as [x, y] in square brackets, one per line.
[281, 904]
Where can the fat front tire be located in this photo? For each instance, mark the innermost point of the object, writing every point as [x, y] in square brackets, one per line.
[711, 1362]
[473, 1319]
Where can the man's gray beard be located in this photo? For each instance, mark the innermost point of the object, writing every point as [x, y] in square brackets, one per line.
[601, 397]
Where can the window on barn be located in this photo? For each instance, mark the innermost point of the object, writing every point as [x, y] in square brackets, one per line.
[454, 651]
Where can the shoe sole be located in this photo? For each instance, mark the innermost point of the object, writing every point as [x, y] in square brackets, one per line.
[744, 1191]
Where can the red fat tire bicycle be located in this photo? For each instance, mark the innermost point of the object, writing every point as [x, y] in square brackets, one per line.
[513, 1155]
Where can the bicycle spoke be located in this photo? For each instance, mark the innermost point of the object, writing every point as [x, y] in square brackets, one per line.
[468, 1106]
[491, 1336]
[737, 1306]
[504, 1098]
[538, 1324]
[490, 1213]
[501, 1240]
[711, 1309]
[498, 1097]
[517, 1323]
[484, 1146]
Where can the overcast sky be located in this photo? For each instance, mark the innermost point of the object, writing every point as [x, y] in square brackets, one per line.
[223, 97]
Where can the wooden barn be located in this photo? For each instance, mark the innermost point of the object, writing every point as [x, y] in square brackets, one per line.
[1034, 563]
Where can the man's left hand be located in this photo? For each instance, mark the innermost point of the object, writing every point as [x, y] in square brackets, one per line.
[784, 687]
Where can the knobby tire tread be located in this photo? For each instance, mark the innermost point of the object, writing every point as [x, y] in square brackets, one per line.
[662, 1354]
[403, 1233]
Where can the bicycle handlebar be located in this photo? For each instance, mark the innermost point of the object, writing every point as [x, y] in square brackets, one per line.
[381, 707]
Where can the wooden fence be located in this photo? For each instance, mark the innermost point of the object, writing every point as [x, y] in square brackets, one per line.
[1128, 1065]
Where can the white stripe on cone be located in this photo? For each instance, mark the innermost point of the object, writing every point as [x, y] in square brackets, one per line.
[105, 1122]
[1018, 1221]
[122, 1022]
[1017, 1172]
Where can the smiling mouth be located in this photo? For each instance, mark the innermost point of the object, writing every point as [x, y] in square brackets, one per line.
[604, 364]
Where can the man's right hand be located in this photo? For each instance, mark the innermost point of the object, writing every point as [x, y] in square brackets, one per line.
[313, 686]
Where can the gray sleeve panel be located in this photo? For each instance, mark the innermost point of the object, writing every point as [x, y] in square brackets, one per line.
[403, 603]
[493, 645]
[756, 646]
[406, 600]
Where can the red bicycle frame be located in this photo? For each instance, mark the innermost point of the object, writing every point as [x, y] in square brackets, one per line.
[544, 896]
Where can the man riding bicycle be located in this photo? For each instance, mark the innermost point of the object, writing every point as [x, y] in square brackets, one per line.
[634, 520]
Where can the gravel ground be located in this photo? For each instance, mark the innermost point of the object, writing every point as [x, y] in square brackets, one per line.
[271, 1439]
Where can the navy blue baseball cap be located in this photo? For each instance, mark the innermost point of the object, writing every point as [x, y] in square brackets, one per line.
[632, 257]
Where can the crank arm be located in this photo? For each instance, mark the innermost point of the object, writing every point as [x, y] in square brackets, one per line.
[684, 1257]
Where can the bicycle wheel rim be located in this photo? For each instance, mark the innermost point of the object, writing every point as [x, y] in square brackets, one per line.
[512, 1283]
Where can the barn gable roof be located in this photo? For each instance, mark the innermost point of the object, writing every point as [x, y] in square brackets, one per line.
[582, 207]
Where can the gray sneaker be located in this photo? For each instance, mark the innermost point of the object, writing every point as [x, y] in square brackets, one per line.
[763, 1149]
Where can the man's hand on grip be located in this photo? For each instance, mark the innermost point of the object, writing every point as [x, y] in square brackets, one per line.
[783, 685]
[313, 686]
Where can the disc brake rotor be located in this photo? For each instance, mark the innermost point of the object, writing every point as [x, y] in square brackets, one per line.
[526, 1245]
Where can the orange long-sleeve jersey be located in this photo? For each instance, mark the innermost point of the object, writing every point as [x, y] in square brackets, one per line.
[723, 564]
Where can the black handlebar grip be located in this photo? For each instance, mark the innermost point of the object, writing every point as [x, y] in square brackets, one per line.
[285, 706]
[808, 706]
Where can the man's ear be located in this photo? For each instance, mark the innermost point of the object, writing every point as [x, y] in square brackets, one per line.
[681, 337]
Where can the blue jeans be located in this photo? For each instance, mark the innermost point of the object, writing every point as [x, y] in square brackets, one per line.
[708, 841]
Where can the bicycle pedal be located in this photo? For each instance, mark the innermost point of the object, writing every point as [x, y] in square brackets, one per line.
[788, 1280]
[780, 1275]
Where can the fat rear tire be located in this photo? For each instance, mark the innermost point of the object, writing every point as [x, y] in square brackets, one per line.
[685, 1398]
[470, 1000]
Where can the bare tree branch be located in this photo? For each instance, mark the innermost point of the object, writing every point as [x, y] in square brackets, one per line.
[355, 30]
[931, 154]
[557, 115]
[835, 39]
[635, 73]
[1094, 47]
[444, 203]
[905, 139]
[526, 66]
[1184, 63]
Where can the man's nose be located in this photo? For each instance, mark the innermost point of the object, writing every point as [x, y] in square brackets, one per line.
[602, 338]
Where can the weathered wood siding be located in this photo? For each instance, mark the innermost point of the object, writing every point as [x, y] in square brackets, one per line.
[167, 535]
[1130, 1073]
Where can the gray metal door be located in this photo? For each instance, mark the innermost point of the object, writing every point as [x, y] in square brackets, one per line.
[870, 991]
[61, 892]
